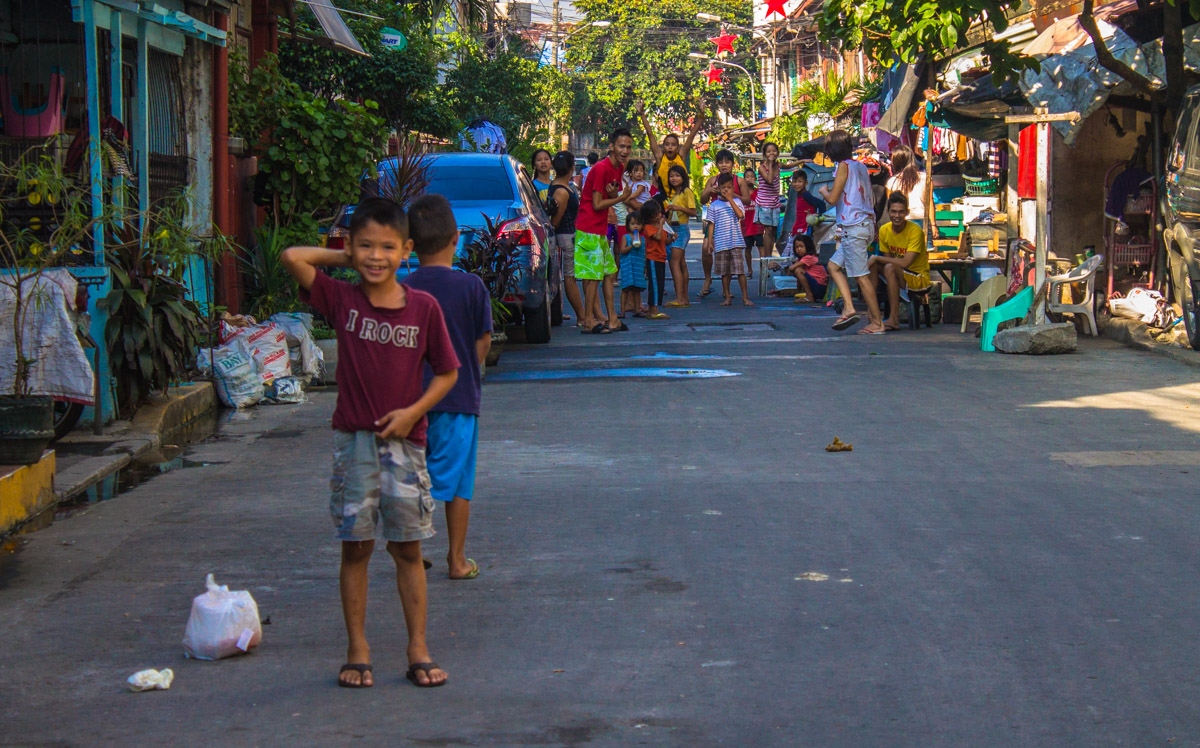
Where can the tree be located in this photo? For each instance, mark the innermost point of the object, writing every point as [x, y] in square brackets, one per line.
[501, 88]
[404, 82]
[644, 54]
[887, 31]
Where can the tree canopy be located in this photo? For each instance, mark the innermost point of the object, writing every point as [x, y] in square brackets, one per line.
[643, 53]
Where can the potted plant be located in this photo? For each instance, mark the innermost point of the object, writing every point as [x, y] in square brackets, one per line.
[43, 220]
[495, 259]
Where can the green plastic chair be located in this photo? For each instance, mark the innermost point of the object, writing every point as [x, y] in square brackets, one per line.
[1015, 308]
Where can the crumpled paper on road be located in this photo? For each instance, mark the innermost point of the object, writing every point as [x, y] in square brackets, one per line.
[151, 680]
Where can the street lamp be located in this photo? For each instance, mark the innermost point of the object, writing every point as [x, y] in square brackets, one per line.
[770, 40]
[712, 61]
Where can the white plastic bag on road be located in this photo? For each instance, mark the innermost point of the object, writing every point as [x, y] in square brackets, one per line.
[222, 623]
[151, 680]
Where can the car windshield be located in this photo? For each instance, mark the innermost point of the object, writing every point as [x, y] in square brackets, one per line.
[464, 183]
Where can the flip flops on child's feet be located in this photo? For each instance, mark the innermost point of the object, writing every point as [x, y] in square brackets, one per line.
[365, 679]
[428, 668]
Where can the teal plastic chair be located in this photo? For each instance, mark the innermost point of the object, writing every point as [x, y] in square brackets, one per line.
[1015, 308]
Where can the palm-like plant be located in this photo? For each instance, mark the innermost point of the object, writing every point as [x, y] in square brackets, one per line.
[405, 179]
[827, 99]
[495, 258]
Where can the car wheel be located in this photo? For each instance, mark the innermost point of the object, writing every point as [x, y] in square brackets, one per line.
[1187, 303]
[537, 323]
[556, 310]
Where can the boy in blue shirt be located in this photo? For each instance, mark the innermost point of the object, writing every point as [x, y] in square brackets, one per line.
[453, 422]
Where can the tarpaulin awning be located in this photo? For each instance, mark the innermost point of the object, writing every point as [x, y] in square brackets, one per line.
[1069, 77]
[900, 86]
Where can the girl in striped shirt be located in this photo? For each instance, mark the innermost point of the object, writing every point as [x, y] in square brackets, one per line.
[766, 201]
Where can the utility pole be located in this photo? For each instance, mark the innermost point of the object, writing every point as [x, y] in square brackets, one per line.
[557, 31]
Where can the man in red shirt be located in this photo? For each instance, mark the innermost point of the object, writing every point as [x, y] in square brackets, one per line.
[594, 261]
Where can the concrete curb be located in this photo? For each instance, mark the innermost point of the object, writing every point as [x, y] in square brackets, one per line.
[1136, 334]
[152, 421]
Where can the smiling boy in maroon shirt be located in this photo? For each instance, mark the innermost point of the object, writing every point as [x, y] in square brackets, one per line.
[380, 484]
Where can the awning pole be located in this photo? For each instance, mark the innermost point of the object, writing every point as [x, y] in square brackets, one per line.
[95, 164]
[1042, 119]
[1042, 241]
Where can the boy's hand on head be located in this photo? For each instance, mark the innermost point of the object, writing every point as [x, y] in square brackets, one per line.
[397, 424]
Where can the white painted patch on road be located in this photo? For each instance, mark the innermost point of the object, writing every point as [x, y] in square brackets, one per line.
[712, 512]
[812, 576]
[719, 663]
[1128, 458]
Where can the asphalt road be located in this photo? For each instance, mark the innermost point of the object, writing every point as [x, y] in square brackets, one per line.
[1007, 557]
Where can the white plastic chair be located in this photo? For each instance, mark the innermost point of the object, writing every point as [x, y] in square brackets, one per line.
[1083, 274]
[986, 296]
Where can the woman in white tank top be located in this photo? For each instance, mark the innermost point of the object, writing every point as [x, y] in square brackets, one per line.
[852, 200]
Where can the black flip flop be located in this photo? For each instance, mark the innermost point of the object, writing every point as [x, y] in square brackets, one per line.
[427, 564]
[426, 666]
[623, 328]
[362, 669]
[850, 321]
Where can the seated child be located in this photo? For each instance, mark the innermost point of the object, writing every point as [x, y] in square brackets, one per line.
[632, 253]
[811, 278]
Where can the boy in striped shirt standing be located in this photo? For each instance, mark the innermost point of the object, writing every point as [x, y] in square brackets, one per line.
[729, 259]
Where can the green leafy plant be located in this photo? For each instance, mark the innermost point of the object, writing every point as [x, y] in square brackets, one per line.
[28, 249]
[153, 327]
[322, 331]
[821, 100]
[495, 258]
[787, 130]
[312, 152]
[271, 287]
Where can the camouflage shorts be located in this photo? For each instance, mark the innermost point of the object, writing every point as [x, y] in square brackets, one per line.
[376, 479]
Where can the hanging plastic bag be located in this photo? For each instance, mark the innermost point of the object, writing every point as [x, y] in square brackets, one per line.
[222, 623]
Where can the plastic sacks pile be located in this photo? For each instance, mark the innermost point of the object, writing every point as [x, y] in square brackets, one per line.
[263, 362]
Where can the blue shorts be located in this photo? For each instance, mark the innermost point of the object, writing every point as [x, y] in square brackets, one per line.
[453, 440]
[683, 235]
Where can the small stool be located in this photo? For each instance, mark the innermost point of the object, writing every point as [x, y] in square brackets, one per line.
[918, 301]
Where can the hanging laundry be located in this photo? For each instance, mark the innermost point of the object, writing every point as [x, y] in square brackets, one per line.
[1027, 163]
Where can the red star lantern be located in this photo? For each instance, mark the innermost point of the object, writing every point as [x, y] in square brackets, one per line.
[724, 42]
[714, 74]
[776, 6]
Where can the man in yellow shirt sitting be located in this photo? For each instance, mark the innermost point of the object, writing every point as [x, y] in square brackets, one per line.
[904, 263]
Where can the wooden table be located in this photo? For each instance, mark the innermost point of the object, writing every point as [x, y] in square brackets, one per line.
[954, 273]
